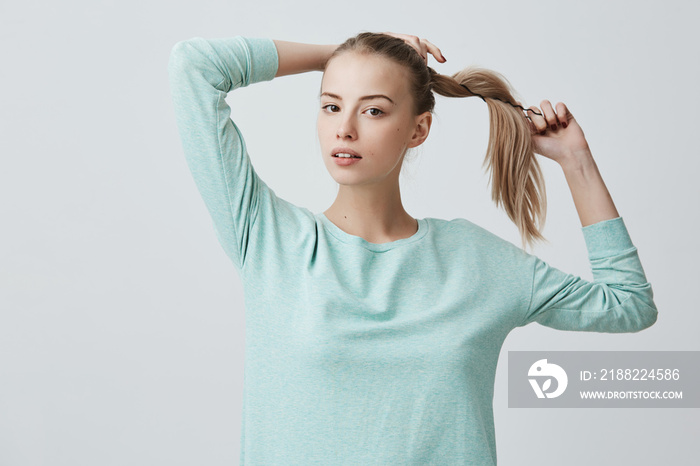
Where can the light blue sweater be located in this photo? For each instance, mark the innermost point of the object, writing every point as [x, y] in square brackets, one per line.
[359, 353]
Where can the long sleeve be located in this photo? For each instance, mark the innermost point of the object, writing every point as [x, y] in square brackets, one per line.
[201, 73]
[619, 299]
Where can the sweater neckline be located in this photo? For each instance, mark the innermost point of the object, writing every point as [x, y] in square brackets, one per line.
[345, 237]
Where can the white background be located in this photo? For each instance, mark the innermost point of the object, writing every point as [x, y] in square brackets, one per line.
[121, 318]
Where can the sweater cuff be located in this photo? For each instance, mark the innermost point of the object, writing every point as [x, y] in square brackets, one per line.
[263, 57]
[606, 238]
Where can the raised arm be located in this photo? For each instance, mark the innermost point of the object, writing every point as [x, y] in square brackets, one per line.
[619, 299]
[201, 73]
[295, 57]
[559, 137]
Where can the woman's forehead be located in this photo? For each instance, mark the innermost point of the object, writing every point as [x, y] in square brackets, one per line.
[353, 75]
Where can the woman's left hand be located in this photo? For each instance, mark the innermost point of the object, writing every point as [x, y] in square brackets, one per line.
[557, 135]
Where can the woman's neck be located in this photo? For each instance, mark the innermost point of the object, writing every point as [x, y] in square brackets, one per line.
[376, 218]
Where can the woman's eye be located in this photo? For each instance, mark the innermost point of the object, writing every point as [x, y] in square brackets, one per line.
[377, 111]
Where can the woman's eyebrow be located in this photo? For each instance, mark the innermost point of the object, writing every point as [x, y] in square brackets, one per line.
[367, 97]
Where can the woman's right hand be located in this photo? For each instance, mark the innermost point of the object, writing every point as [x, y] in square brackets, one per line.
[423, 46]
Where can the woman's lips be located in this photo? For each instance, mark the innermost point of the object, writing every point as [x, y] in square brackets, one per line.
[344, 150]
[344, 161]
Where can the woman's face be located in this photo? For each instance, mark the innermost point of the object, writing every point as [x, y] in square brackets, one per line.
[378, 129]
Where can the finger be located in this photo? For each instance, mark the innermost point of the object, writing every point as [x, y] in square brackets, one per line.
[564, 114]
[533, 128]
[549, 115]
[435, 51]
[527, 118]
[422, 46]
[414, 41]
[423, 50]
[537, 120]
[524, 110]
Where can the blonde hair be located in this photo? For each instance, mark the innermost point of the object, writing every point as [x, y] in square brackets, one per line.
[517, 184]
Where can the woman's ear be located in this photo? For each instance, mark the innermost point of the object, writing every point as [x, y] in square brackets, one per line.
[422, 129]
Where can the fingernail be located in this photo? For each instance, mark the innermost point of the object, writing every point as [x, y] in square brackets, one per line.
[563, 123]
[554, 127]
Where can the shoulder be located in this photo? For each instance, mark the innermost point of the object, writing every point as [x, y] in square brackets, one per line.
[464, 235]
[461, 228]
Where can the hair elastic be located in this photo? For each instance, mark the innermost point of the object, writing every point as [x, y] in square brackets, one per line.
[482, 98]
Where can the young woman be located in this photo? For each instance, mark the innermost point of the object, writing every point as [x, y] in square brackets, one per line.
[372, 337]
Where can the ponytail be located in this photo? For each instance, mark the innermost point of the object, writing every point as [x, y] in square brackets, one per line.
[517, 184]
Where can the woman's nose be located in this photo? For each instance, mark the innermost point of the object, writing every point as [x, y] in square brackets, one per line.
[347, 128]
